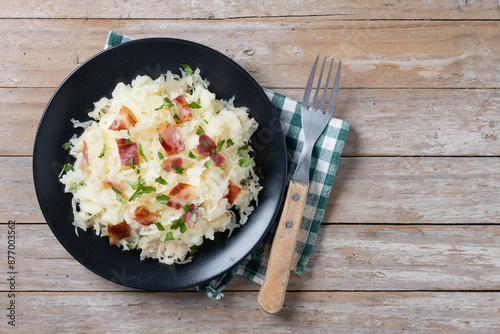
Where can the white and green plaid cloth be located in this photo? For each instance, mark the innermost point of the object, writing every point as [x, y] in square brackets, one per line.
[325, 158]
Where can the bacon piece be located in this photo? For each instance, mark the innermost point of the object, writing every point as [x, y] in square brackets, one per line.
[182, 109]
[124, 120]
[127, 151]
[208, 148]
[144, 216]
[195, 213]
[168, 163]
[170, 138]
[108, 184]
[118, 232]
[179, 195]
[234, 192]
[85, 153]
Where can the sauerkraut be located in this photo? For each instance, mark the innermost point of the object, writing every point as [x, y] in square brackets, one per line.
[163, 165]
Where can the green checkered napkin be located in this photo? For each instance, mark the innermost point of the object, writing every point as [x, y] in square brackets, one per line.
[325, 158]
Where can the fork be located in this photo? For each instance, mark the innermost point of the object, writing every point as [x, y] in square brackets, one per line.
[314, 120]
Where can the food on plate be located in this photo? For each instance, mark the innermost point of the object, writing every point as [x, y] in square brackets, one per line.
[163, 165]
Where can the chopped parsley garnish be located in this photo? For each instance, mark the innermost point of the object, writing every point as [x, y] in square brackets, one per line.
[194, 216]
[160, 226]
[186, 208]
[205, 143]
[202, 210]
[176, 117]
[204, 120]
[179, 224]
[220, 143]
[200, 130]
[229, 143]
[161, 180]
[159, 137]
[160, 155]
[121, 200]
[66, 146]
[207, 163]
[116, 190]
[138, 194]
[176, 79]
[103, 151]
[258, 171]
[187, 69]
[142, 153]
[166, 103]
[162, 199]
[243, 148]
[140, 188]
[191, 155]
[169, 236]
[245, 160]
[130, 245]
[73, 187]
[194, 105]
[128, 141]
[66, 168]
[178, 170]
[131, 163]
[193, 250]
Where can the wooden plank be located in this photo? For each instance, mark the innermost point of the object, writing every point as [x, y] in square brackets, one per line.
[420, 122]
[237, 312]
[378, 9]
[18, 196]
[393, 122]
[415, 191]
[21, 110]
[417, 122]
[402, 190]
[345, 258]
[278, 52]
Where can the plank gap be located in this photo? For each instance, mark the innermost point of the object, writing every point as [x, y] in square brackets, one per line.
[256, 290]
[248, 17]
[403, 224]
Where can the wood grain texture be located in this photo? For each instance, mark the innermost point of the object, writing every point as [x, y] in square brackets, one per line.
[21, 110]
[18, 196]
[278, 52]
[318, 312]
[345, 258]
[189, 9]
[428, 122]
[272, 293]
[415, 190]
[375, 190]
[410, 239]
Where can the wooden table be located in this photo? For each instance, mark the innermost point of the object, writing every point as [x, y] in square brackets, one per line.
[411, 237]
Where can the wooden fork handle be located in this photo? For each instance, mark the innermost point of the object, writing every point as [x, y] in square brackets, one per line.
[272, 293]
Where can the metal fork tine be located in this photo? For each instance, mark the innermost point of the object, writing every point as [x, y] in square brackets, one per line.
[323, 98]
[315, 100]
[307, 92]
[335, 89]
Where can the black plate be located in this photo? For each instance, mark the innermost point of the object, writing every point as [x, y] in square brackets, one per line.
[96, 78]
